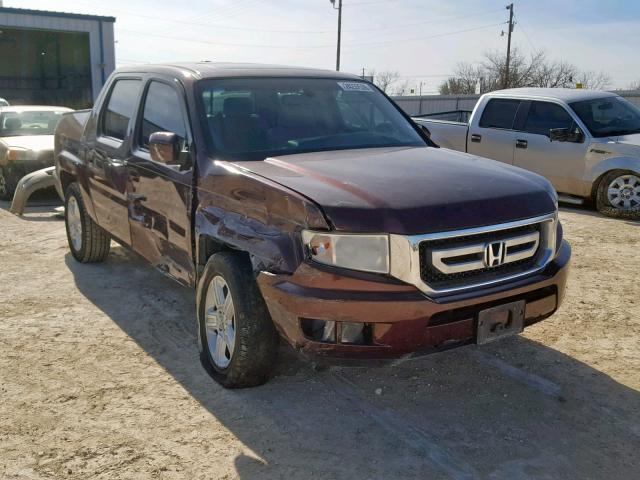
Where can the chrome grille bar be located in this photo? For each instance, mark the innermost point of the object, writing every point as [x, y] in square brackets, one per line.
[406, 262]
[456, 260]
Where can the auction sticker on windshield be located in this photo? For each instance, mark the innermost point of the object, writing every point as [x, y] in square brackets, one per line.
[355, 87]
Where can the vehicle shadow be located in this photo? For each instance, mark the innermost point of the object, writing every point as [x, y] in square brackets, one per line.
[590, 212]
[511, 410]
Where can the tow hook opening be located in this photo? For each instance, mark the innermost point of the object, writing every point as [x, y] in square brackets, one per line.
[328, 331]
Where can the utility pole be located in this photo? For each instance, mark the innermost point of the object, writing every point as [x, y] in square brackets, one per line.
[339, 8]
[506, 69]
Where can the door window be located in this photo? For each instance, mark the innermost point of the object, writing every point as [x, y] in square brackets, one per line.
[499, 113]
[162, 113]
[544, 116]
[119, 109]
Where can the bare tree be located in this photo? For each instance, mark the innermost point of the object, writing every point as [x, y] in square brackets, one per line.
[385, 80]
[535, 70]
[464, 83]
[594, 80]
[401, 88]
[635, 85]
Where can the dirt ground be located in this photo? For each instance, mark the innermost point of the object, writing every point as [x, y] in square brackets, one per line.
[100, 379]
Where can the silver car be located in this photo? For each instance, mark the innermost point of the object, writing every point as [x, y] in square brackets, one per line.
[587, 143]
[26, 142]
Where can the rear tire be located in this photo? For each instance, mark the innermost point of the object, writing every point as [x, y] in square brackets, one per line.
[238, 341]
[87, 241]
[618, 194]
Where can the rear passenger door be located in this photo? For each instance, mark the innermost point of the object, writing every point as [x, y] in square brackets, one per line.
[493, 136]
[107, 155]
[562, 163]
[160, 197]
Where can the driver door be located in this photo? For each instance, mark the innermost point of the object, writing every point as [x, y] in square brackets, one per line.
[160, 198]
[562, 163]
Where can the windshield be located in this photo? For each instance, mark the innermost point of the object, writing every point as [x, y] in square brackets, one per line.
[33, 122]
[259, 117]
[608, 116]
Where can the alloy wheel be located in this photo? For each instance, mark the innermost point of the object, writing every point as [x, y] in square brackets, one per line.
[220, 322]
[74, 223]
[624, 192]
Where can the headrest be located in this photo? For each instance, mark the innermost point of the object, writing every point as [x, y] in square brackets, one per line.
[13, 123]
[296, 111]
[295, 101]
[237, 106]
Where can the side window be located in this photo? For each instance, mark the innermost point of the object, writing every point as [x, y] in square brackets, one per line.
[119, 108]
[162, 113]
[499, 113]
[543, 116]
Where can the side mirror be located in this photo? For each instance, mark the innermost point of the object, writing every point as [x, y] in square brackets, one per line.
[164, 147]
[425, 130]
[572, 135]
[559, 134]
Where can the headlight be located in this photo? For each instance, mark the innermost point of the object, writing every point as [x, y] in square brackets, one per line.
[17, 153]
[368, 253]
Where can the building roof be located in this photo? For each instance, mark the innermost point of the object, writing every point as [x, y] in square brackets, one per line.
[220, 70]
[565, 94]
[47, 13]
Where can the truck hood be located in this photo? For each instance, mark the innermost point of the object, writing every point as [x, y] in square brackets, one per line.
[36, 143]
[633, 139]
[409, 190]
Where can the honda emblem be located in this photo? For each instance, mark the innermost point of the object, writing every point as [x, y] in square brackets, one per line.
[494, 254]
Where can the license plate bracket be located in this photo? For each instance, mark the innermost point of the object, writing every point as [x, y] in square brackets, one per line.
[500, 321]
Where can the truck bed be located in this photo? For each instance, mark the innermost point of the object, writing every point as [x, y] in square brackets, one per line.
[446, 133]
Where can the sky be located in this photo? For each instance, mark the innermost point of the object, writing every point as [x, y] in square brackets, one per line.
[423, 40]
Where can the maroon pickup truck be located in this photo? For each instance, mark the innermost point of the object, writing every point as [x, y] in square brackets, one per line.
[304, 203]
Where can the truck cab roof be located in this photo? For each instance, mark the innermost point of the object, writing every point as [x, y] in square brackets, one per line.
[567, 95]
[205, 69]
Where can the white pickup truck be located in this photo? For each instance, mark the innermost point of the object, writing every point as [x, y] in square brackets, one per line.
[587, 143]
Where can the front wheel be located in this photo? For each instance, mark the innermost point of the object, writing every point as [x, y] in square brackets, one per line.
[618, 194]
[87, 241]
[6, 185]
[238, 341]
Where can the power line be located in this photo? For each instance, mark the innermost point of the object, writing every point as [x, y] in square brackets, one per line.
[427, 22]
[224, 44]
[290, 46]
[526, 35]
[187, 21]
[415, 39]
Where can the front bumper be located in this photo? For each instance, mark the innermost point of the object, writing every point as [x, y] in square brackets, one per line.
[402, 320]
[14, 170]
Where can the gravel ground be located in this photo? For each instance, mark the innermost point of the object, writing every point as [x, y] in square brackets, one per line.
[100, 379]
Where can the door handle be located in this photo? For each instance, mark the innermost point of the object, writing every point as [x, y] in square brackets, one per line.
[136, 197]
[476, 138]
[116, 162]
[521, 144]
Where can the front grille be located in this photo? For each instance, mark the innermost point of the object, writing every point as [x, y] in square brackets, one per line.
[437, 279]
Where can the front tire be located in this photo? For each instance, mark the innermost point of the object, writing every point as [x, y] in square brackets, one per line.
[87, 241]
[7, 187]
[238, 341]
[618, 194]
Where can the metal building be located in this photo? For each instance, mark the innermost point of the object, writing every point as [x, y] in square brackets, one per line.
[54, 58]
